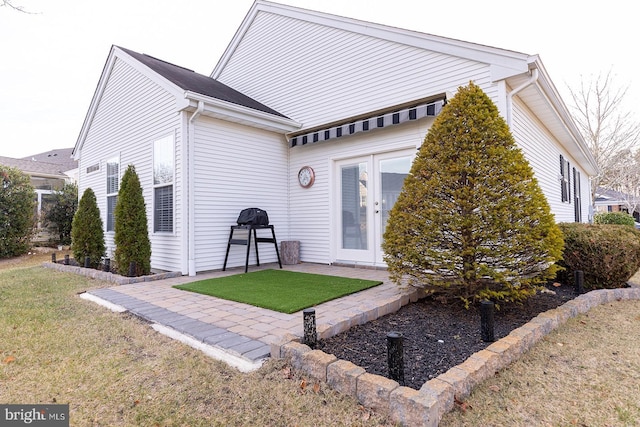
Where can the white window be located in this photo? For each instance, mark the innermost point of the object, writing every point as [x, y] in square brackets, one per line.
[163, 177]
[565, 180]
[113, 186]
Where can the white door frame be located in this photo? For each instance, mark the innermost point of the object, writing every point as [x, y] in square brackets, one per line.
[369, 253]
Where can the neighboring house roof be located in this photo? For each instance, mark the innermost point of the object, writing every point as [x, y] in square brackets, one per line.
[60, 156]
[35, 168]
[605, 196]
[191, 81]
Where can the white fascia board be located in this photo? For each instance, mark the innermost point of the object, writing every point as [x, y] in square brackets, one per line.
[95, 100]
[152, 75]
[554, 99]
[240, 114]
[504, 59]
[114, 55]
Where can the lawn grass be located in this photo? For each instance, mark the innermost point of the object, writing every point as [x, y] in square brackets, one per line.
[585, 373]
[279, 290]
[114, 370]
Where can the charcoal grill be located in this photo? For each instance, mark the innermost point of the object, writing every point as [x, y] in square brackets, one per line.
[249, 222]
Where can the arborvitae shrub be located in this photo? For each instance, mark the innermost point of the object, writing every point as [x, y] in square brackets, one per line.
[17, 212]
[131, 230]
[59, 216]
[620, 218]
[608, 254]
[471, 221]
[87, 234]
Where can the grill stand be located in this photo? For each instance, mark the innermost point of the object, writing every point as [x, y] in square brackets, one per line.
[251, 229]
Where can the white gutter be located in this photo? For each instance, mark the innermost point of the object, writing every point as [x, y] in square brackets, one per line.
[510, 95]
[191, 176]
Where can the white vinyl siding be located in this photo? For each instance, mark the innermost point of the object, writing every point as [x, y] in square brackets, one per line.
[133, 112]
[305, 70]
[543, 153]
[312, 209]
[236, 167]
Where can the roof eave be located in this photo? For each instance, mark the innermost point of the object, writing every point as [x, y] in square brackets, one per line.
[240, 114]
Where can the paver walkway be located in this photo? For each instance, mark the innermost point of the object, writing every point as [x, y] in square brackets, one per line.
[246, 331]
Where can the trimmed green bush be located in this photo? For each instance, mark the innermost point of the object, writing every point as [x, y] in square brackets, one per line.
[17, 212]
[87, 234]
[59, 216]
[608, 254]
[620, 218]
[131, 229]
[471, 221]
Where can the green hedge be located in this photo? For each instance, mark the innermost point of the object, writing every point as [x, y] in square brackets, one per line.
[608, 254]
[620, 218]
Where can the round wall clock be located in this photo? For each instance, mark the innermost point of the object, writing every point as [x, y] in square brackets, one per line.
[306, 176]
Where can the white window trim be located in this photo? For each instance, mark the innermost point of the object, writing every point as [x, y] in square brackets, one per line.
[115, 159]
[155, 186]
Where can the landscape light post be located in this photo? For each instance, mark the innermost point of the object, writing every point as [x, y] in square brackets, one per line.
[395, 356]
[486, 321]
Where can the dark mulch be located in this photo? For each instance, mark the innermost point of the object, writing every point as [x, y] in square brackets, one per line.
[437, 336]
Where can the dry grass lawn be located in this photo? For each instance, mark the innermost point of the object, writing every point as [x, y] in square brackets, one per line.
[586, 373]
[114, 370]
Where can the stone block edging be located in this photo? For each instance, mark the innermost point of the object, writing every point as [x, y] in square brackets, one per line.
[427, 406]
[109, 277]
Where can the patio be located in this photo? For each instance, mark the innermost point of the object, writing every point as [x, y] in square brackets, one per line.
[242, 334]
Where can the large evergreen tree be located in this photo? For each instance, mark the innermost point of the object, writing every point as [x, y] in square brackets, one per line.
[17, 212]
[131, 230]
[87, 234]
[471, 221]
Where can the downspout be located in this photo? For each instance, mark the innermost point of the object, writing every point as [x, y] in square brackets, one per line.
[190, 202]
[510, 95]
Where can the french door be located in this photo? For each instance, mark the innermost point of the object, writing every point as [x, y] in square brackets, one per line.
[368, 187]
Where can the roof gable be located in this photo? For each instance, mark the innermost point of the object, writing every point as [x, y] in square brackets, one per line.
[503, 62]
[190, 90]
[189, 80]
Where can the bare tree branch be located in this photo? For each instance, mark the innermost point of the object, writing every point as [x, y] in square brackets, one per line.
[609, 130]
[9, 3]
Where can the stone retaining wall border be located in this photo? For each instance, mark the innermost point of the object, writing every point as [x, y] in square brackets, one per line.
[427, 406]
[109, 277]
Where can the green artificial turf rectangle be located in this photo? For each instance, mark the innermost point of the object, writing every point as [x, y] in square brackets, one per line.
[279, 290]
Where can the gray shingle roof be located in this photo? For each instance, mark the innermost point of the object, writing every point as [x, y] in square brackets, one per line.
[199, 83]
[60, 156]
[34, 168]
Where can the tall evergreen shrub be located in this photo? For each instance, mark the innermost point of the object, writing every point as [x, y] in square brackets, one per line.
[87, 234]
[471, 221]
[131, 229]
[60, 215]
[17, 212]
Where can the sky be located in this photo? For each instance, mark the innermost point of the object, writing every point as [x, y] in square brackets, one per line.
[52, 57]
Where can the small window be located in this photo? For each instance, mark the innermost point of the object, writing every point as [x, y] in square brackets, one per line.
[163, 177]
[113, 186]
[576, 196]
[565, 188]
[93, 168]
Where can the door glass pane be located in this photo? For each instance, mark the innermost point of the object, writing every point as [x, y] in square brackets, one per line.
[392, 175]
[354, 206]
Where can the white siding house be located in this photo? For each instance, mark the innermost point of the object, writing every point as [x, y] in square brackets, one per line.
[352, 100]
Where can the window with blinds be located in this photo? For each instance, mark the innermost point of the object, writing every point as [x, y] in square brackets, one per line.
[113, 186]
[565, 180]
[163, 176]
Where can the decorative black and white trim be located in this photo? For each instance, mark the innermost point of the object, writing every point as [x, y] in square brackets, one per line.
[431, 109]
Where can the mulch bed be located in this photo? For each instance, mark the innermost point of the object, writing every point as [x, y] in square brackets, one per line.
[436, 336]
